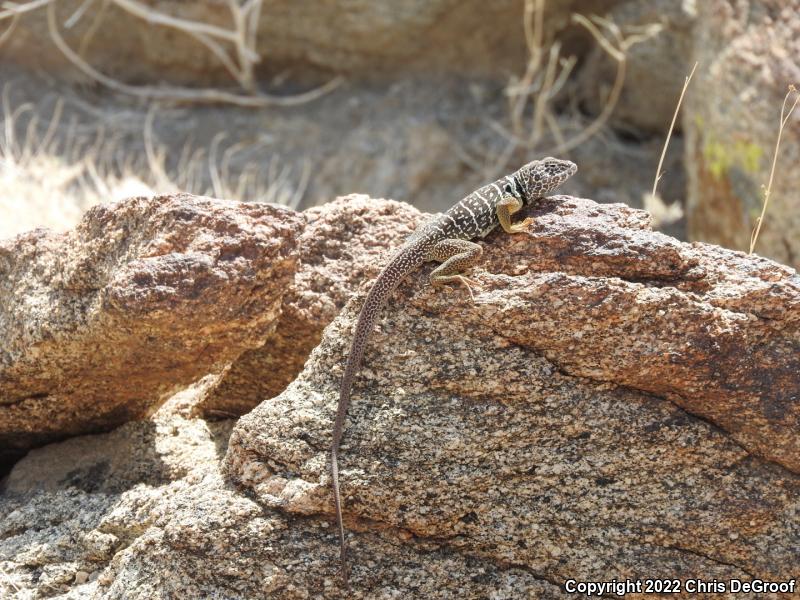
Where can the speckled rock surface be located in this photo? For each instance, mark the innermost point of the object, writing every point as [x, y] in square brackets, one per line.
[100, 324]
[143, 513]
[748, 49]
[493, 449]
[551, 424]
[343, 245]
[601, 296]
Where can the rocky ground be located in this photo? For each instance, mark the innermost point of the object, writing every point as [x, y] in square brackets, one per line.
[613, 403]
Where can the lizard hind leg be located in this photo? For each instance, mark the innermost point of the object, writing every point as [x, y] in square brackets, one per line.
[456, 257]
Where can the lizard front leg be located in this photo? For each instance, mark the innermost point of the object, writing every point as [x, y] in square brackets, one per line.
[456, 257]
[507, 207]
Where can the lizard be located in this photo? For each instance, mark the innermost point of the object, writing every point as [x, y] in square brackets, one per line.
[446, 238]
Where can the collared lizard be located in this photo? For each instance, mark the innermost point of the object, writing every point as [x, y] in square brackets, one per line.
[445, 239]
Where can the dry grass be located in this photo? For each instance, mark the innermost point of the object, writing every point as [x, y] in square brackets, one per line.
[52, 168]
[664, 214]
[55, 170]
[768, 190]
[659, 174]
[40, 181]
[257, 181]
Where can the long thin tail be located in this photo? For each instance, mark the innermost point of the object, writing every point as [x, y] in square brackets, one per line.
[403, 263]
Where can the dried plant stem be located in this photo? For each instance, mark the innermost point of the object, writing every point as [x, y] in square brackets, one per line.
[784, 118]
[78, 14]
[18, 9]
[10, 29]
[157, 18]
[70, 166]
[155, 158]
[533, 26]
[94, 27]
[671, 127]
[616, 46]
[242, 37]
[182, 94]
[545, 75]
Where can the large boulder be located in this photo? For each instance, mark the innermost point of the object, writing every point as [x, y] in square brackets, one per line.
[99, 325]
[748, 56]
[342, 246]
[613, 401]
[144, 512]
[607, 380]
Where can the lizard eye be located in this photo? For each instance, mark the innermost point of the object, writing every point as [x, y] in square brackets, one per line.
[507, 189]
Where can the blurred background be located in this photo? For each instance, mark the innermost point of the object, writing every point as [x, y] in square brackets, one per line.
[299, 101]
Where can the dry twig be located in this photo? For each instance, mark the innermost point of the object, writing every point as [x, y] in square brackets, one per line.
[616, 46]
[541, 81]
[671, 127]
[544, 78]
[242, 37]
[784, 118]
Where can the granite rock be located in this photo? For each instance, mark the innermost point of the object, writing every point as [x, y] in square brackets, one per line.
[613, 404]
[144, 512]
[101, 324]
[555, 424]
[343, 245]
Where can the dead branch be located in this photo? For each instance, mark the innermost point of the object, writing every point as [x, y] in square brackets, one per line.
[243, 38]
[180, 94]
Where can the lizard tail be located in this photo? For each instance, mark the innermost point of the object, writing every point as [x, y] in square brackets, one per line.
[404, 262]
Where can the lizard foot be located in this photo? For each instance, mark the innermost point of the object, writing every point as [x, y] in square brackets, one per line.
[465, 281]
[521, 226]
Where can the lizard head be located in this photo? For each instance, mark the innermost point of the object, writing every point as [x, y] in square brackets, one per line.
[540, 177]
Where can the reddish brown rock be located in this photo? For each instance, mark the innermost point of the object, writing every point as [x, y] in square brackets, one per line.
[342, 248]
[601, 296]
[597, 292]
[552, 424]
[499, 446]
[143, 297]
